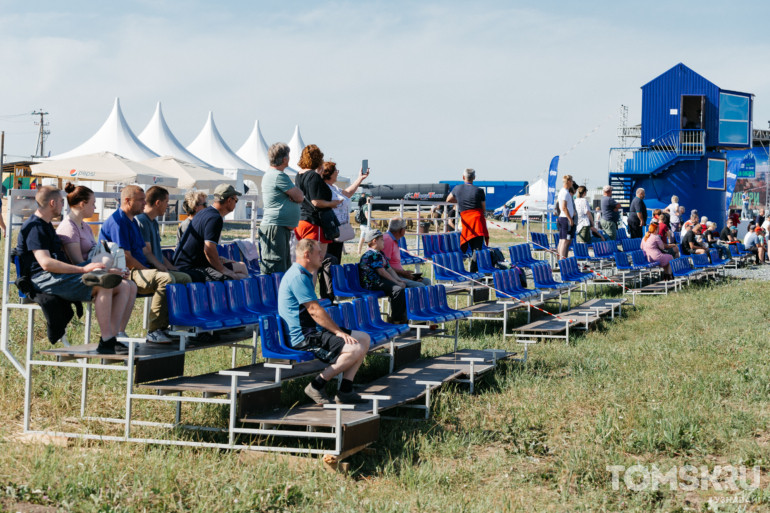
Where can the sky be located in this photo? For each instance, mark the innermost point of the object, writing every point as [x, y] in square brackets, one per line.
[422, 90]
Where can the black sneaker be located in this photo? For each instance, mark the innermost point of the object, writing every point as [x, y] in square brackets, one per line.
[111, 346]
[349, 398]
[101, 278]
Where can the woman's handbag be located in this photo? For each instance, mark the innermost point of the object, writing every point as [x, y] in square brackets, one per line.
[329, 223]
[347, 232]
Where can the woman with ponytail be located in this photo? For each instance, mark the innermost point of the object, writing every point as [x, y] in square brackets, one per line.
[653, 247]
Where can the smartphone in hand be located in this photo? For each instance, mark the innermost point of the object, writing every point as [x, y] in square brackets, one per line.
[365, 167]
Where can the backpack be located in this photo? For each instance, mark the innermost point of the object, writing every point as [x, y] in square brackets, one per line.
[361, 215]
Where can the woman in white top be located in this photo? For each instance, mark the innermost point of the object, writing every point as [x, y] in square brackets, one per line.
[584, 217]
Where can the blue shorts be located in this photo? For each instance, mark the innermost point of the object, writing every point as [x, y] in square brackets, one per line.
[566, 232]
[66, 286]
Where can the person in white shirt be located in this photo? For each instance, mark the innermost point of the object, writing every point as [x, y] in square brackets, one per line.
[673, 212]
[565, 222]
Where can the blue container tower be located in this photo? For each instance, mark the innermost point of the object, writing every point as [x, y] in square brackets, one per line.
[688, 123]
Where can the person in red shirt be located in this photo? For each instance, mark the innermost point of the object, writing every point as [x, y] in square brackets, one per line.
[666, 236]
[396, 230]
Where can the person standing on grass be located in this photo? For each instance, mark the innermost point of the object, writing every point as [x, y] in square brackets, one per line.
[566, 218]
[637, 215]
[610, 213]
[472, 204]
[122, 229]
[197, 254]
[42, 258]
[282, 201]
[312, 329]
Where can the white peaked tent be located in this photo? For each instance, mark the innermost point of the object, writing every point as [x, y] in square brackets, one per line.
[254, 150]
[296, 145]
[189, 175]
[115, 136]
[210, 147]
[158, 137]
[538, 190]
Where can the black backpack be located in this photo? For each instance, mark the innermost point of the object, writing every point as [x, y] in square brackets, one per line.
[361, 215]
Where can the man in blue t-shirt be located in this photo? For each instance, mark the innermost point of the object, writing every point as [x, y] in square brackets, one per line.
[122, 229]
[197, 254]
[312, 329]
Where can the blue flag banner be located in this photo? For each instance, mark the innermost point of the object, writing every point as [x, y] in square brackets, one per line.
[553, 172]
[733, 169]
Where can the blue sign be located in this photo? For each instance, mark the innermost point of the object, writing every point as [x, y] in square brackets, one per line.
[553, 171]
[748, 167]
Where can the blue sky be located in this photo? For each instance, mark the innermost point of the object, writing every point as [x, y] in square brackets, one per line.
[421, 89]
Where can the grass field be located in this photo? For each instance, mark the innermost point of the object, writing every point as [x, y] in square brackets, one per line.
[680, 380]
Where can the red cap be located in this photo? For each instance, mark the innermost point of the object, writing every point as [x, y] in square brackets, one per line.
[758, 229]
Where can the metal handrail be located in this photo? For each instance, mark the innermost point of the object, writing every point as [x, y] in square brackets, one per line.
[670, 145]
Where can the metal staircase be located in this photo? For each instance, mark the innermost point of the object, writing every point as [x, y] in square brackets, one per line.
[628, 164]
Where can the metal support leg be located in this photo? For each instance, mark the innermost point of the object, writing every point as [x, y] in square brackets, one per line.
[84, 390]
[129, 387]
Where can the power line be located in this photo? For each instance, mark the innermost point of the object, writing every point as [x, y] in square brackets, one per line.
[43, 134]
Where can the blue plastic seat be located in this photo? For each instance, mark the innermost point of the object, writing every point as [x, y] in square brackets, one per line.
[236, 298]
[621, 234]
[682, 267]
[352, 277]
[423, 299]
[365, 322]
[269, 293]
[678, 237]
[221, 306]
[414, 311]
[459, 267]
[717, 259]
[350, 319]
[570, 271]
[622, 263]
[484, 261]
[702, 262]
[543, 278]
[253, 293]
[201, 306]
[580, 250]
[443, 269]
[433, 305]
[375, 317]
[340, 284]
[438, 296]
[272, 334]
[629, 245]
[604, 250]
[639, 259]
[180, 313]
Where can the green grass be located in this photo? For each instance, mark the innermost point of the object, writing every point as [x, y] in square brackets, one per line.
[681, 379]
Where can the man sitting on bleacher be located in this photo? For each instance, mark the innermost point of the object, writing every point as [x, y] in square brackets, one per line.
[376, 274]
[197, 253]
[42, 258]
[156, 205]
[396, 230]
[122, 229]
[312, 329]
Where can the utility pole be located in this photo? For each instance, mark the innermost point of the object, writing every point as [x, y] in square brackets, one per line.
[40, 148]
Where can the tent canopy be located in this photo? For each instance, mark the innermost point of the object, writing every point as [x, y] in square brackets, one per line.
[254, 150]
[296, 145]
[115, 136]
[158, 137]
[103, 167]
[210, 147]
[189, 175]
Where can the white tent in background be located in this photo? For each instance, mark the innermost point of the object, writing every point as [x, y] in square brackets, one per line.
[103, 167]
[296, 145]
[210, 147]
[254, 150]
[158, 137]
[189, 175]
[114, 136]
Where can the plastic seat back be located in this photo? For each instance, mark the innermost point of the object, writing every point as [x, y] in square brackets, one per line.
[200, 304]
[218, 302]
[268, 291]
[580, 250]
[348, 312]
[621, 234]
[339, 283]
[253, 293]
[274, 338]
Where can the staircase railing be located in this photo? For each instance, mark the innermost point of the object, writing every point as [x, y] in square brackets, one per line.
[664, 149]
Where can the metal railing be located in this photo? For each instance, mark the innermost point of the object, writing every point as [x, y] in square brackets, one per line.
[645, 159]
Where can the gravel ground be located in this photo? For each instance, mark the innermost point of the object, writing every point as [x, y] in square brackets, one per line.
[754, 272]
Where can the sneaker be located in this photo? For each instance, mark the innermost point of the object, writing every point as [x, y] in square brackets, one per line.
[349, 398]
[101, 278]
[158, 337]
[318, 396]
[111, 346]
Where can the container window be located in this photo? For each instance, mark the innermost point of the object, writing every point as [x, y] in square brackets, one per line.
[717, 174]
[734, 119]
[490, 190]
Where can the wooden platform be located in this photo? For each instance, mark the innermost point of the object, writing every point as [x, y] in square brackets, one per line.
[658, 288]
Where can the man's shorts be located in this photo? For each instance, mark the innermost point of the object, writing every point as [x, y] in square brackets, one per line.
[66, 286]
[202, 274]
[325, 345]
[566, 232]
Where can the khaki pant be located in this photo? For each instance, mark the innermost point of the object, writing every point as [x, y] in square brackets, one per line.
[151, 281]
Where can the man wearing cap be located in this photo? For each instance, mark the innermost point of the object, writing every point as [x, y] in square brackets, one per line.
[196, 253]
[377, 274]
[610, 213]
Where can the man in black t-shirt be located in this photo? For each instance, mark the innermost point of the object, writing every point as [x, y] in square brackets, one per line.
[637, 215]
[728, 232]
[196, 253]
[42, 258]
[689, 244]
